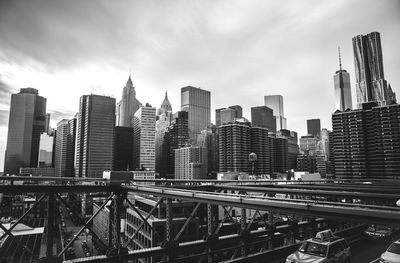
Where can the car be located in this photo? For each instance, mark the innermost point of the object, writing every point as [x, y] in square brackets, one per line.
[379, 232]
[392, 254]
[323, 248]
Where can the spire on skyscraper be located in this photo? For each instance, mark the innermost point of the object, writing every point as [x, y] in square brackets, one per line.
[129, 82]
[166, 105]
[340, 59]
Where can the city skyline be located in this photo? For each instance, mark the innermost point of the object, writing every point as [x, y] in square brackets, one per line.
[257, 70]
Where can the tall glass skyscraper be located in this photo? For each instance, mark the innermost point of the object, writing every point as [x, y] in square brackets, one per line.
[342, 88]
[197, 102]
[370, 80]
[95, 135]
[27, 121]
[275, 102]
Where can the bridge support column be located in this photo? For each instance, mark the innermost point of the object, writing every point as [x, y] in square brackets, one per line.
[243, 225]
[210, 230]
[50, 224]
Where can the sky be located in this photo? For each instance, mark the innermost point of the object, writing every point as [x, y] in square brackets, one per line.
[238, 50]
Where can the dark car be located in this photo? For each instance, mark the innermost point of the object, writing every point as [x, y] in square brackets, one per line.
[379, 232]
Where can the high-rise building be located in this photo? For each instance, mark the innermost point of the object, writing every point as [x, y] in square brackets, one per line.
[65, 148]
[293, 146]
[275, 102]
[175, 137]
[314, 127]
[191, 163]
[366, 142]
[262, 116]
[95, 136]
[197, 102]
[371, 85]
[123, 149]
[234, 146]
[342, 85]
[26, 122]
[308, 144]
[163, 121]
[238, 139]
[46, 150]
[144, 139]
[226, 115]
[128, 104]
[209, 139]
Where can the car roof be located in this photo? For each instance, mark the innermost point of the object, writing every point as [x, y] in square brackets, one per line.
[325, 242]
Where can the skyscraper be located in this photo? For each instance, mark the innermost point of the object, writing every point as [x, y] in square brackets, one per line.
[128, 104]
[95, 135]
[314, 127]
[27, 121]
[341, 81]
[46, 148]
[225, 115]
[144, 138]
[370, 80]
[65, 148]
[262, 116]
[123, 149]
[275, 102]
[366, 142]
[191, 163]
[197, 102]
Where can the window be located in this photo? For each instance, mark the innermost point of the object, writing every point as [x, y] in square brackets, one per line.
[335, 248]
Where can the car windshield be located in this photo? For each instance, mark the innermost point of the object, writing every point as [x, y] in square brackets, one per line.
[394, 248]
[313, 249]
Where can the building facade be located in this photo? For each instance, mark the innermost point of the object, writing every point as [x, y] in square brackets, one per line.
[371, 85]
[314, 127]
[262, 116]
[26, 122]
[65, 148]
[342, 87]
[191, 163]
[128, 105]
[275, 102]
[95, 136]
[366, 142]
[123, 149]
[144, 138]
[197, 102]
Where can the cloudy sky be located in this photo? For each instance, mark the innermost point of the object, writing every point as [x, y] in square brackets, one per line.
[238, 50]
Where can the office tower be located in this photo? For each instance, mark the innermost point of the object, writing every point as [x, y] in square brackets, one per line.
[95, 136]
[209, 139]
[163, 121]
[227, 115]
[175, 137]
[262, 116]
[234, 146]
[191, 163]
[314, 127]
[341, 81]
[123, 149]
[281, 154]
[233, 112]
[144, 138]
[306, 163]
[293, 147]
[196, 102]
[308, 144]
[65, 148]
[128, 104]
[46, 148]
[260, 145]
[370, 80]
[366, 142]
[275, 102]
[26, 122]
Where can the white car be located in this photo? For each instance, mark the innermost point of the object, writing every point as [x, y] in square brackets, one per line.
[392, 254]
[324, 248]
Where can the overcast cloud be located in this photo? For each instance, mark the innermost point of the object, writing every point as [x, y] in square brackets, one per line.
[238, 50]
